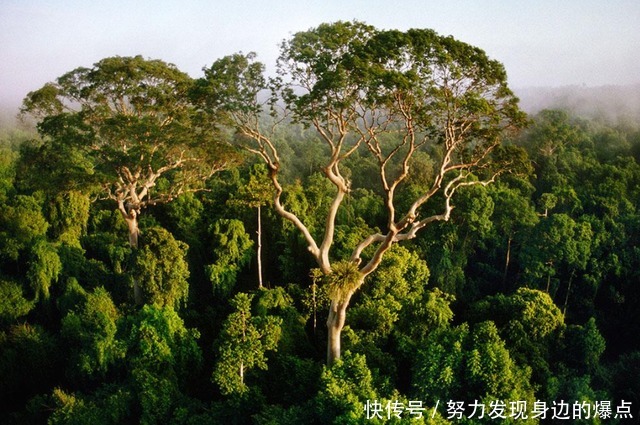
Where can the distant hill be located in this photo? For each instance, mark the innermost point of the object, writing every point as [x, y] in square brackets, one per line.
[612, 104]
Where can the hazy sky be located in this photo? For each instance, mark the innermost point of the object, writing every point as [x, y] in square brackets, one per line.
[541, 42]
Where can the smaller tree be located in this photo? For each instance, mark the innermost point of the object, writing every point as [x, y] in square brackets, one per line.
[161, 269]
[128, 126]
[162, 355]
[513, 212]
[555, 243]
[44, 268]
[91, 331]
[468, 364]
[583, 346]
[21, 224]
[255, 194]
[242, 345]
[529, 322]
[68, 214]
[13, 304]
[232, 245]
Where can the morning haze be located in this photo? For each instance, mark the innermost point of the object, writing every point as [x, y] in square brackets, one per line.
[542, 44]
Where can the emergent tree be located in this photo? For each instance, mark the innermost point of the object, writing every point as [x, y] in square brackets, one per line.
[389, 94]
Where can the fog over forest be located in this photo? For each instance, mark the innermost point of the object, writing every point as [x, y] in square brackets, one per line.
[613, 104]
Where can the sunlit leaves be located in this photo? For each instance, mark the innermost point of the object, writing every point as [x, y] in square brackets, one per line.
[91, 331]
[466, 363]
[525, 315]
[161, 269]
[44, 268]
[68, 214]
[21, 222]
[232, 251]
[134, 122]
[530, 323]
[243, 344]
[232, 84]
[344, 388]
[162, 354]
[13, 303]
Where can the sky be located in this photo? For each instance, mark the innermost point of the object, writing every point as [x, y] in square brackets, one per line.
[542, 43]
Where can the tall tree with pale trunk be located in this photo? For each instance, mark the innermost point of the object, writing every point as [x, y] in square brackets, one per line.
[390, 94]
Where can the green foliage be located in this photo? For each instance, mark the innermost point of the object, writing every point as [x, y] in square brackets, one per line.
[231, 241]
[513, 210]
[526, 314]
[624, 367]
[185, 214]
[44, 268]
[343, 280]
[30, 363]
[21, 221]
[476, 209]
[123, 127]
[556, 241]
[162, 355]
[220, 89]
[568, 386]
[396, 299]
[582, 347]
[468, 310]
[434, 313]
[242, 345]
[272, 299]
[13, 305]
[553, 131]
[72, 297]
[71, 410]
[258, 191]
[91, 330]
[161, 269]
[530, 323]
[464, 363]
[158, 341]
[344, 389]
[7, 172]
[107, 407]
[293, 335]
[68, 214]
[232, 251]
[109, 249]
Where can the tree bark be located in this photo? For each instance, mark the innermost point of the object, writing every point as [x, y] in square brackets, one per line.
[131, 218]
[335, 324]
[259, 254]
[506, 263]
[134, 232]
[566, 298]
[549, 282]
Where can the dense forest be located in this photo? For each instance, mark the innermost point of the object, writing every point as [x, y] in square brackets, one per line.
[378, 234]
